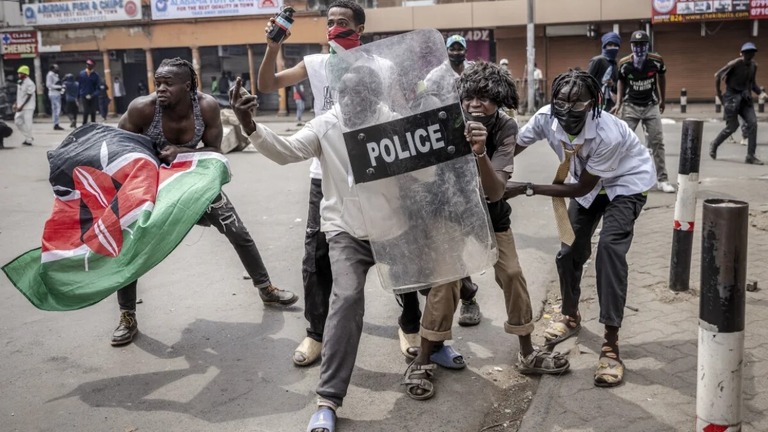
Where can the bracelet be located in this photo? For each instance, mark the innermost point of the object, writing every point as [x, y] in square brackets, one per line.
[481, 155]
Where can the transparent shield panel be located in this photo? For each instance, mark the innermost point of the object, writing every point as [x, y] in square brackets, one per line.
[418, 184]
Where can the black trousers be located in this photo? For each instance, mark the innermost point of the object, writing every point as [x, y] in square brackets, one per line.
[89, 108]
[221, 214]
[616, 235]
[735, 105]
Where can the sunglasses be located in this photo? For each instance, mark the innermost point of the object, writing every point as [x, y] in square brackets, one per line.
[571, 106]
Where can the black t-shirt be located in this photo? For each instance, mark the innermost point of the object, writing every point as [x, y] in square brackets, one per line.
[640, 84]
[500, 145]
[599, 65]
[739, 76]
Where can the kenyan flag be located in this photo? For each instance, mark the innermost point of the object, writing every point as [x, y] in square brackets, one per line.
[116, 215]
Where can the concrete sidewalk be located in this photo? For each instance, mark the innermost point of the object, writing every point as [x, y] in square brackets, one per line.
[659, 339]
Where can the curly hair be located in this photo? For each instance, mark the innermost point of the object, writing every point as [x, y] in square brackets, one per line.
[487, 80]
[358, 13]
[576, 82]
[180, 63]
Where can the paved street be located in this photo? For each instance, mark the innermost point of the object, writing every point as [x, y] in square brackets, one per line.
[210, 357]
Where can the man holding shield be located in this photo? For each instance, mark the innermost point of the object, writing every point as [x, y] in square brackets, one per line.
[360, 92]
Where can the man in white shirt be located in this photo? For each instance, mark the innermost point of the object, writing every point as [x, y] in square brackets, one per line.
[53, 83]
[610, 174]
[345, 23]
[25, 105]
[119, 93]
[359, 99]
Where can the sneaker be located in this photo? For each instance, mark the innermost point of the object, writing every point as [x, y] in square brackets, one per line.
[753, 160]
[126, 330]
[665, 187]
[470, 313]
[73, 125]
[272, 295]
[26, 143]
[57, 127]
[743, 141]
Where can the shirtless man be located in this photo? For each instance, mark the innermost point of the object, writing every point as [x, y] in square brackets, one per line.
[177, 117]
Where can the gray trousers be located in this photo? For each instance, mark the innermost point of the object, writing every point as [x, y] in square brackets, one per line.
[650, 116]
[351, 258]
[611, 267]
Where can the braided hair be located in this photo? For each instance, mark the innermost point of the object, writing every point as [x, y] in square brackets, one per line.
[487, 80]
[180, 63]
[577, 82]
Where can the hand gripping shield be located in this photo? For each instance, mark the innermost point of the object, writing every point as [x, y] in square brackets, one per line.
[416, 178]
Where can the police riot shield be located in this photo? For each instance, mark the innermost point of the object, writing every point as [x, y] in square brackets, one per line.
[413, 169]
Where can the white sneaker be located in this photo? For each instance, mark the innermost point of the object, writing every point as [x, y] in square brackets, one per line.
[743, 141]
[665, 187]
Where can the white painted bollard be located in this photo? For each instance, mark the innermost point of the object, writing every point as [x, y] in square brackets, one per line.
[721, 316]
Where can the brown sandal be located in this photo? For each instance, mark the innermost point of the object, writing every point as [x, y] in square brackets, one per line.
[417, 377]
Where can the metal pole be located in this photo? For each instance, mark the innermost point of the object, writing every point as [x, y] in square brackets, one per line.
[721, 315]
[718, 105]
[685, 205]
[531, 60]
[683, 100]
[761, 100]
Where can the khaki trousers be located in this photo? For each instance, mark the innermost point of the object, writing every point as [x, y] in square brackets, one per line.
[509, 276]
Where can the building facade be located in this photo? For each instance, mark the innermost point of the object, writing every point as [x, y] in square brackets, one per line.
[128, 38]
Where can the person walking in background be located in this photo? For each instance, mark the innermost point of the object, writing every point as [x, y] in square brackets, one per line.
[504, 65]
[223, 83]
[119, 93]
[298, 98]
[603, 68]
[141, 88]
[538, 86]
[214, 86]
[25, 105]
[103, 100]
[53, 83]
[739, 76]
[71, 90]
[89, 82]
[642, 89]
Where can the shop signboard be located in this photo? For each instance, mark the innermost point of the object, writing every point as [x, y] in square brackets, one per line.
[18, 45]
[80, 12]
[674, 11]
[186, 9]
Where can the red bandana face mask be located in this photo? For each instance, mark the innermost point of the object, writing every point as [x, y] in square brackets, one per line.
[345, 37]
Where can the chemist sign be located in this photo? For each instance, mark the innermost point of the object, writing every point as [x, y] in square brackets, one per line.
[408, 144]
[81, 12]
[18, 45]
[185, 9]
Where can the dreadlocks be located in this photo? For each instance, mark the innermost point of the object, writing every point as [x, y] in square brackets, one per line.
[180, 63]
[576, 82]
[488, 80]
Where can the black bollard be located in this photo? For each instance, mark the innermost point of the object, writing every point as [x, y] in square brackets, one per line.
[761, 100]
[722, 305]
[685, 205]
[683, 100]
[718, 105]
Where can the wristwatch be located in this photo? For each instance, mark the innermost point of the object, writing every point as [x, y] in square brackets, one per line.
[529, 189]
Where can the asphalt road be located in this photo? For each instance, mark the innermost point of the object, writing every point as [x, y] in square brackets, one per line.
[210, 357]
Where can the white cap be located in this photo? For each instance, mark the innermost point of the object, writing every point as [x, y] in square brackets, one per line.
[504, 62]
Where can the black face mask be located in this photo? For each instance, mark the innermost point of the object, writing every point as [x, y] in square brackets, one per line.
[457, 58]
[572, 122]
